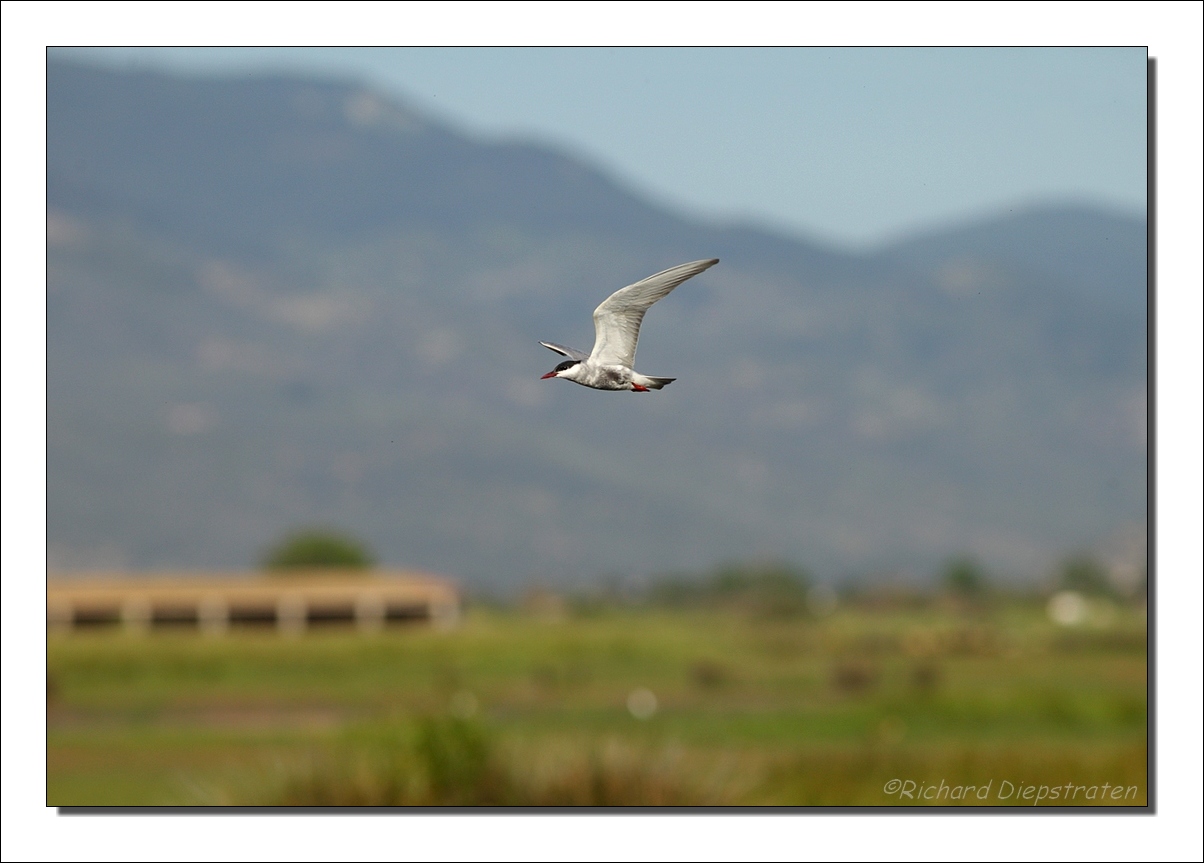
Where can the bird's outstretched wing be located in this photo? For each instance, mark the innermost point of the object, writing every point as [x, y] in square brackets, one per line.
[617, 321]
[571, 353]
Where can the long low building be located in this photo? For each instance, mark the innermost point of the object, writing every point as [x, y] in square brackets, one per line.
[216, 602]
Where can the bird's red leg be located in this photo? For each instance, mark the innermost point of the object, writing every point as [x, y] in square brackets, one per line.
[636, 388]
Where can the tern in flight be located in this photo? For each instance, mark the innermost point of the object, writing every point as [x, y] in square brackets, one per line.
[616, 330]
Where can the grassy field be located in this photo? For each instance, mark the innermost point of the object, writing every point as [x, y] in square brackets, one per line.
[894, 705]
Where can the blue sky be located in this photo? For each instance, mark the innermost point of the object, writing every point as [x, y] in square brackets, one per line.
[850, 146]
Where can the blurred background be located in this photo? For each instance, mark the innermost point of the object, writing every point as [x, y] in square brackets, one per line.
[889, 522]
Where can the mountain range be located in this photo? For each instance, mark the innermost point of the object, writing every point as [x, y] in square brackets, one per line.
[275, 302]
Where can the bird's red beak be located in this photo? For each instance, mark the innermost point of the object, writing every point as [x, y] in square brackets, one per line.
[548, 375]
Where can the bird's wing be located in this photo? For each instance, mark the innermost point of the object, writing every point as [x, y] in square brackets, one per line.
[571, 353]
[617, 321]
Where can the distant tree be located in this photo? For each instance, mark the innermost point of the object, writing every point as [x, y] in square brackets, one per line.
[1085, 574]
[318, 548]
[769, 589]
[964, 576]
[675, 591]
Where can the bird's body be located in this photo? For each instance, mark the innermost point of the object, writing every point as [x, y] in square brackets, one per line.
[616, 330]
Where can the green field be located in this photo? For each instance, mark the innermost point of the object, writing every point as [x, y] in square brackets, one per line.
[514, 708]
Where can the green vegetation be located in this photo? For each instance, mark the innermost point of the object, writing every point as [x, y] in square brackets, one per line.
[518, 708]
[1085, 574]
[963, 576]
[769, 589]
[318, 548]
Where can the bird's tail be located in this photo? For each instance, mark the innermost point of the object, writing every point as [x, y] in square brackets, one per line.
[658, 383]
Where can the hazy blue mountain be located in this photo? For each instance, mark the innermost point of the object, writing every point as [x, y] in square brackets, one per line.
[1101, 255]
[275, 302]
